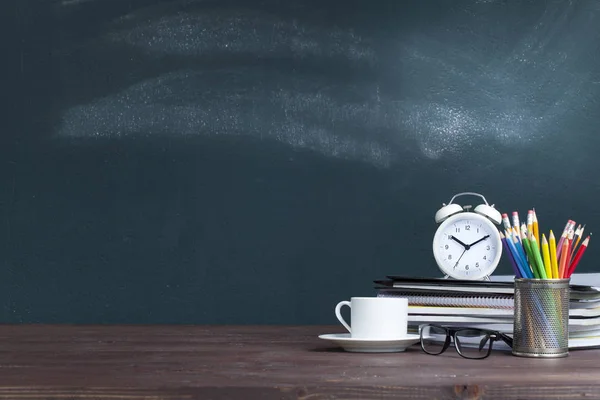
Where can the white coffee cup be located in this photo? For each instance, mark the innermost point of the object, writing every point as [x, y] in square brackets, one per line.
[375, 317]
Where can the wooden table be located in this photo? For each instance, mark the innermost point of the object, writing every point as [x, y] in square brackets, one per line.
[263, 362]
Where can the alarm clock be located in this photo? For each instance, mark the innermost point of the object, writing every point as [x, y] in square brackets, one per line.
[467, 244]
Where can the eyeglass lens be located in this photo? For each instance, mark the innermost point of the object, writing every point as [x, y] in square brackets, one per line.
[472, 343]
[433, 339]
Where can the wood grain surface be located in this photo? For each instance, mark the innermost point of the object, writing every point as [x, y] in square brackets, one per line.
[263, 362]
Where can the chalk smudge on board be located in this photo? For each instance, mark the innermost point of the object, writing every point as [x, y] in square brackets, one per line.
[301, 114]
[246, 32]
[454, 94]
[516, 95]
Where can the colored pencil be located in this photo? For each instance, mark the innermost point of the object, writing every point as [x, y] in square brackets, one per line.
[578, 235]
[519, 260]
[570, 237]
[546, 254]
[559, 246]
[519, 249]
[529, 224]
[505, 221]
[580, 252]
[530, 256]
[537, 256]
[578, 232]
[536, 228]
[563, 259]
[516, 224]
[510, 257]
[553, 258]
[562, 238]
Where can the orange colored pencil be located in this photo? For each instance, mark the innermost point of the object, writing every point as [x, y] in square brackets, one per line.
[578, 235]
[580, 252]
[553, 259]
[564, 255]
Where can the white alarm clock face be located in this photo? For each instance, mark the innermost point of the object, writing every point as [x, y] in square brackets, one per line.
[467, 246]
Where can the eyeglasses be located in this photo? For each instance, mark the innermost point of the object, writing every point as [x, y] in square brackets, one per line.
[470, 343]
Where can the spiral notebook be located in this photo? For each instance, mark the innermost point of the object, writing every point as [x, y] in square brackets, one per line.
[451, 300]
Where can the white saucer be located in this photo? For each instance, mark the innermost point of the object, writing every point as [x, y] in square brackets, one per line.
[371, 345]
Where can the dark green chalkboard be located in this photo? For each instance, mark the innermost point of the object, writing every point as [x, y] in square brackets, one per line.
[258, 161]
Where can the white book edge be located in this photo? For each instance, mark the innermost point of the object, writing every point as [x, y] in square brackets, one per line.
[443, 319]
[484, 311]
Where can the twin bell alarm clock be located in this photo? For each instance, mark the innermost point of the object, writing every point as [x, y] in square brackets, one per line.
[467, 244]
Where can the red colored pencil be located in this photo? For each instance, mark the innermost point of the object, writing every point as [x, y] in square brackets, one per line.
[580, 252]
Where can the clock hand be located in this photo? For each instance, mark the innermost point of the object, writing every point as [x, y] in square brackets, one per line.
[480, 240]
[457, 261]
[466, 246]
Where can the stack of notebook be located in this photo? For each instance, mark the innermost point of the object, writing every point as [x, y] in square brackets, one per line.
[489, 304]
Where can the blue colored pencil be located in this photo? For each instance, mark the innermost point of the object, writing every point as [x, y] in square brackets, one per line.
[518, 245]
[510, 257]
[515, 256]
[520, 261]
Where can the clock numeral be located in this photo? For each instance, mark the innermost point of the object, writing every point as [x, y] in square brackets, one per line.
[476, 265]
[457, 229]
[446, 247]
[487, 247]
[449, 256]
[466, 267]
[467, 227]
[485, 257]
[477, 230]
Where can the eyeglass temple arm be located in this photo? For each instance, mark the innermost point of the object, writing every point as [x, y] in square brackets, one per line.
[506, 339]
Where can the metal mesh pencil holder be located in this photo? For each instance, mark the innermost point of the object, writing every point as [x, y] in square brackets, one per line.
[541, 322]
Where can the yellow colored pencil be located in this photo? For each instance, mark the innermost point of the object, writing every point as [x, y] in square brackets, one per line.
[553, 259]
[536, 228]
[546, 254]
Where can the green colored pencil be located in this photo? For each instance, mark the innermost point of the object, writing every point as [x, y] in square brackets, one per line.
[537, 256]
[530, 256]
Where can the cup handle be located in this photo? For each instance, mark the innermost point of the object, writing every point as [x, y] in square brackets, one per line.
[338, 314]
